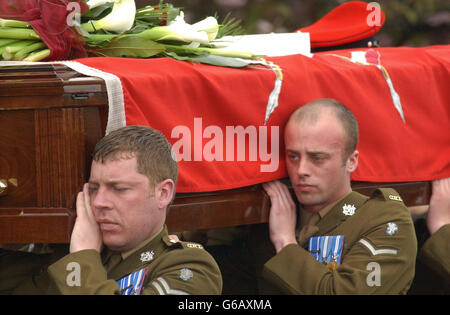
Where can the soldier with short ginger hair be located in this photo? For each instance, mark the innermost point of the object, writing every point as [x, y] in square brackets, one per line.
[119, 243]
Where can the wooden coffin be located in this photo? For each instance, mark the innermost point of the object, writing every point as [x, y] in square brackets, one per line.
[50, 119]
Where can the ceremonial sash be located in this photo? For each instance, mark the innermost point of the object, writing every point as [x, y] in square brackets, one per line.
[132, 284]
[326, 248]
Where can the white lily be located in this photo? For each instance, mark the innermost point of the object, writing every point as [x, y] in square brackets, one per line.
[121, 18]
[179, 30]
[95, 3]
[208, 25]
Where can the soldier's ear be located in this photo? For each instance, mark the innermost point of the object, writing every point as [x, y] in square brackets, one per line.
[352, 161]
[164, 192]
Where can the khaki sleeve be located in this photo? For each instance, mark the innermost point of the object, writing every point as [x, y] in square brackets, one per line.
[82, 273]
[377, 263]
[186, 271]
[294, 271]
[435, 252]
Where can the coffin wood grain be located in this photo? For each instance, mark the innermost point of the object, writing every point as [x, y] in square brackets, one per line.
[251, 205]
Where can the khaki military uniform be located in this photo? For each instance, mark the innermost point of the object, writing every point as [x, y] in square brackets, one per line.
[378, 255]
[435, 253]
[165, 267]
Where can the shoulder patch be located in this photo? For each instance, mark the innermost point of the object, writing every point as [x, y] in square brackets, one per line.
[186, 274]
[387, 194]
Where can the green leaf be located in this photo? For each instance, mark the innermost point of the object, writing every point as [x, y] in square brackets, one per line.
[154, 15]
[129, 46]
[98, 12]
[97, 41]
[229, 27]
[177, 57]
[221, 61]
[210, 59]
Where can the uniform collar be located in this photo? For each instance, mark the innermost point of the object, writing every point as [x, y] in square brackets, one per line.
[327, 209]
[142, 255]
[321, 213]
[127, 254]
[335, 215]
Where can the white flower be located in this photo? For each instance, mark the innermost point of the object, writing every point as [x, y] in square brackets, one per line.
[209, 26]
[182, 31]
[95, 3]
[121, 18]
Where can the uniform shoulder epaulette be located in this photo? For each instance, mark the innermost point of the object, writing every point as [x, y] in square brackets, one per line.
[387, 194]
[181, 244]
[191, 245]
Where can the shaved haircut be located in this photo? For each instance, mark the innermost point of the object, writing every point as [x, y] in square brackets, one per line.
[310, 113]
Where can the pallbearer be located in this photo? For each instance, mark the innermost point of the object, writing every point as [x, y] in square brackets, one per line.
[347, 243]
[119, 243]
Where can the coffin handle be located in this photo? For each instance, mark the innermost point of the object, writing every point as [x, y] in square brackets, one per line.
[6, 185]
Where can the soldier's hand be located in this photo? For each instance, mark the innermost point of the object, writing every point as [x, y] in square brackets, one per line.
[282, 217]
[439, 212]
[86, 233]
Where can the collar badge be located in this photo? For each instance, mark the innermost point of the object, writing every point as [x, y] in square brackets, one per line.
[147, 256]
[348, 209]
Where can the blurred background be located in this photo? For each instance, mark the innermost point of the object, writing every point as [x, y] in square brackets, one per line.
[408, 22]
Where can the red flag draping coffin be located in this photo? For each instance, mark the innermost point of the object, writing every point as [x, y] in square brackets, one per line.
[200, 108]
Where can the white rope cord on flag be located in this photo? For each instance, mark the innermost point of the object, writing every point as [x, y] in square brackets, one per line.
[116, 104]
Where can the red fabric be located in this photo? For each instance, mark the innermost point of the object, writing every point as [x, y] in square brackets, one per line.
[345, 24]
[164, 93]
[48, 19]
